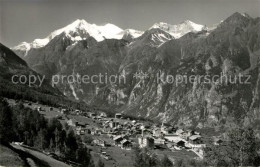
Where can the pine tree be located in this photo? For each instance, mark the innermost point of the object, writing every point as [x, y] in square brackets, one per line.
[6, 122]
[57, 140]
[51, 146]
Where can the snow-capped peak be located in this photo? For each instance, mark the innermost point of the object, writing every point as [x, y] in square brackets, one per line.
[130, 32]
[196, 27]
[80, 27]
[97, 32]
[179, 30]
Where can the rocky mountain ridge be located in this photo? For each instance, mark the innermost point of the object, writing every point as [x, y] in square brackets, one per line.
[231, 49]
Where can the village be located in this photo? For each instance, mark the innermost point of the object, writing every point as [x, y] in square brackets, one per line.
[113, 138]
[123, 133]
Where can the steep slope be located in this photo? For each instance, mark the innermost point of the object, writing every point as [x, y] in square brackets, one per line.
[84, 59]
[231, 49]
[36, 90]
[139, 56]
[63, 56]
[11, 64]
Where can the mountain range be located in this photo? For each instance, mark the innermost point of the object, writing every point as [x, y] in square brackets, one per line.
[231, 48]
[80, 29]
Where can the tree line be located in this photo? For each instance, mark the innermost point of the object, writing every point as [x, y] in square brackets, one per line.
[23, 124]
[43, 95]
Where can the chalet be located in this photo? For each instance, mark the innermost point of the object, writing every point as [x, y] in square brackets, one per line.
[119, 126]
[172, 138]
[138, 125]
[108, 131]
[157, 132]
[39, 109]
[164, 129]
[78, 111]
[118, 115]
[195, 139]
[180, 143]
[99, 142]
[159, 141]
[113, 124]
[92, 132]
[63, 111]
[97, 132]
[92, 115]
[99, 118]
[103, 115]
[172, 129]
[190, 132]
[81, 131]
[126, 144]
[197, 133]
[80, 125]
[180, 132]
[72, 122]
[87, 131]
[217, 141]
[118, 140]
[147, 142]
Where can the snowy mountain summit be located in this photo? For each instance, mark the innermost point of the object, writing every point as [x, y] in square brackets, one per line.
[181, 29]
[81, 29]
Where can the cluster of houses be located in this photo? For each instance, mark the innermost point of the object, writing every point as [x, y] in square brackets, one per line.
[126, 133]
[49, 109]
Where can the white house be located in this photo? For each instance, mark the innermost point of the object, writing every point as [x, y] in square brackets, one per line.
[146, 142]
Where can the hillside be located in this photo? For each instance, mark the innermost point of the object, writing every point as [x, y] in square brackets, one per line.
[40, 91]
[231, 49]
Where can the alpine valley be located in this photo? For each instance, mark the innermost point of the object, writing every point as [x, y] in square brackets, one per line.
[232, 47]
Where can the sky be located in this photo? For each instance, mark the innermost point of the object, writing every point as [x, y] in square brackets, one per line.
[26, 20]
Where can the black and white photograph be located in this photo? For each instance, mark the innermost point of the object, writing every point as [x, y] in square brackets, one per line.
[129, 83]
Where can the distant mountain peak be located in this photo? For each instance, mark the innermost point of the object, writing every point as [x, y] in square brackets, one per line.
[131, 33]
[155, 37]
[239, 14]
[187, 22]
[237, 19]
[179, 30]
[80, 29]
